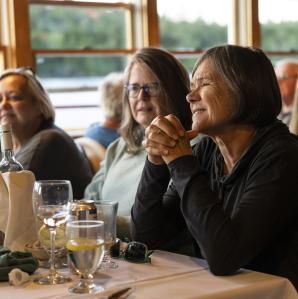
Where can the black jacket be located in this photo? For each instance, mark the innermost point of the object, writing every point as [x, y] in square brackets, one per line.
[246, 219]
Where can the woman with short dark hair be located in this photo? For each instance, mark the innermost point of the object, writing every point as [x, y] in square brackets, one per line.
[251, 80]
[236, 190]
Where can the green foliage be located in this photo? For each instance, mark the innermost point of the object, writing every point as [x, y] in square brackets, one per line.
[280, 36]
[183, 35]
[57, 27]
[79, 66]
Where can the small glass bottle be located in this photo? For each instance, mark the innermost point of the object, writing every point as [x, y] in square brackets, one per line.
[8, 162]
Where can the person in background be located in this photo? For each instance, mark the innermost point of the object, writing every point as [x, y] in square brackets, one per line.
[111, 92]
[287, 73]
[156, 83]
[39, 145]
[294, 119]
[236, 189]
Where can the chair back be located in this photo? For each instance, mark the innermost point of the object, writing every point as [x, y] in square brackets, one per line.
[94, 151]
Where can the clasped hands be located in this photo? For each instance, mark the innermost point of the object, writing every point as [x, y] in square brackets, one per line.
[166, 140]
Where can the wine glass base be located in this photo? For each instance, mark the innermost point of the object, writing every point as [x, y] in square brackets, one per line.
[51, 279]
[83, 287]
[107, 263]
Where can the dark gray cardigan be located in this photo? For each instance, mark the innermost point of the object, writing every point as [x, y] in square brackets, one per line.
[52, 154]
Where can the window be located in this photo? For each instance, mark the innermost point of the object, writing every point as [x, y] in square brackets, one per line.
[279, 31]
[189, 27]
[72, 44]
[74, 48]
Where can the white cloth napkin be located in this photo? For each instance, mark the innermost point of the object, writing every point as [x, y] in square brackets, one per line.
[17, 219]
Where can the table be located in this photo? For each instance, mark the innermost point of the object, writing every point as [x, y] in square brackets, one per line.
[169, 276]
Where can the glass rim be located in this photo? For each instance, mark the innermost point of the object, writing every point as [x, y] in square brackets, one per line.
[51, 182]
[84, 223]
[107, 203]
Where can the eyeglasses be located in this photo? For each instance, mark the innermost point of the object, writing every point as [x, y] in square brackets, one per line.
[135, 252]
[151, 89]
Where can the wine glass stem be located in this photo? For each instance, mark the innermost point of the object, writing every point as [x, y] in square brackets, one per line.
[87, 280]
[53, 237]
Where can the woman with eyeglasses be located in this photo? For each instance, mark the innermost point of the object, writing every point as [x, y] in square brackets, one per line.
[156, 83]
[39, 145]
[236, 189]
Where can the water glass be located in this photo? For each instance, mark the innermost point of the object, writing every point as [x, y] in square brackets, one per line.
[85, 246]
[107, 212]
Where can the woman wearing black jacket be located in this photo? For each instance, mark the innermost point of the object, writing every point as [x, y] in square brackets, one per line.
[236, 190]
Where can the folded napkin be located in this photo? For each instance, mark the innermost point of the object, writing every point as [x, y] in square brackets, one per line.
[11, 260]
[17, 219]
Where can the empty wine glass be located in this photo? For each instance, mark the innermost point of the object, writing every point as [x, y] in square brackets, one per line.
[85, 246]
[51, 204]
[107, 212]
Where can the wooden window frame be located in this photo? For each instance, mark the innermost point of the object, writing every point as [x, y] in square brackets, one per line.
[19, 51]
[255, 28]
[25, 55]
[3, 62]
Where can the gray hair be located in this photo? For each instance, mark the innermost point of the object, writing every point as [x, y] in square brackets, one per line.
[38, 93]
[111, 93]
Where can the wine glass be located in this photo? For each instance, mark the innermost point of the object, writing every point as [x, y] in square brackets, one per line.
[85, 246]
[51, 204]
[107, 212]
[44, 238]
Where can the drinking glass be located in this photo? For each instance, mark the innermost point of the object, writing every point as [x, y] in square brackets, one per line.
[107, 212]
[85, 246]
[51, 204]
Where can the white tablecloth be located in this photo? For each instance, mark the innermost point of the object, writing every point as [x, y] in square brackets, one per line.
[169, 276]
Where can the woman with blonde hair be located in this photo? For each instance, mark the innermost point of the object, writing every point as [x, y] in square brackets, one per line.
[39, 145]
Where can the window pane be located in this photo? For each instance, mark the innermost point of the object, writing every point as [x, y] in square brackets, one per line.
[193, 24]
[79, 65]
[188, 61]
[73, 27]
[279, 24]
[76, 120]
[73, 81]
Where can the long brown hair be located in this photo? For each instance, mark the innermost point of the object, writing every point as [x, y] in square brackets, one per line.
[174, 85]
